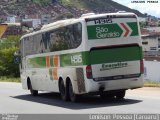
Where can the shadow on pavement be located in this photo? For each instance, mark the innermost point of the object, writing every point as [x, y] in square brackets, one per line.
[85, 102]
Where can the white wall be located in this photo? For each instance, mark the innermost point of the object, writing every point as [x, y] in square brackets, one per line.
[11, 19]
[36, 23]
[152, 43]
[152, 70]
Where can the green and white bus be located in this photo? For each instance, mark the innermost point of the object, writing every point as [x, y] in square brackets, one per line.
[98, 54]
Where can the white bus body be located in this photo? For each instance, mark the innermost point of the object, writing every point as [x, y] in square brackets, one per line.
[99, 54]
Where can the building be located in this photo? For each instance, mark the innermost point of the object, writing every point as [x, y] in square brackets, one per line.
[152, 21]
[153, 29]
[150, 43]
[31, 23]
[3, 28]
[11, 19]
[151, 39]
[46, 19]
[151, 71]
[12, 29]
[151, 46]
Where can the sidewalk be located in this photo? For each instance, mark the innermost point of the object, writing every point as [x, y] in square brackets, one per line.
[145, 91]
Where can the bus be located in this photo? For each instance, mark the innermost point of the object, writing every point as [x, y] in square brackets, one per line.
[97, 54]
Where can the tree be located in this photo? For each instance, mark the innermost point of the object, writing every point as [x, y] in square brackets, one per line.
[7, 48]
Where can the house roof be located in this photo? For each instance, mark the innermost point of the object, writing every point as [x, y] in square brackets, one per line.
[149, 33]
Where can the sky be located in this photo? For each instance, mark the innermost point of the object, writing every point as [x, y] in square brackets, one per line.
[149, 8]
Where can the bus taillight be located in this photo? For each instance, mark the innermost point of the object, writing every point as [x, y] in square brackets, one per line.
[89, 72]
[141, 66]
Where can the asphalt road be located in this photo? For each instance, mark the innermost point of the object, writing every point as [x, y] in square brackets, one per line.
[13, 99]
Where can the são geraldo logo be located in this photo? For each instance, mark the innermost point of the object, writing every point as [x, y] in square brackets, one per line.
[103, 32]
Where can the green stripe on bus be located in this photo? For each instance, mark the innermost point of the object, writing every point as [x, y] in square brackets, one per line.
[115, 55]
[50, 74]
[51, 61]
[73, 59]
[134, 27]
[93, 57]
[38, 62]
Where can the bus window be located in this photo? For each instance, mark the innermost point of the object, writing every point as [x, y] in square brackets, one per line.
[65, 38]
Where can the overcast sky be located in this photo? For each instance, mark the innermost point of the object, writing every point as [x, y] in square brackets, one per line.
[149, 8]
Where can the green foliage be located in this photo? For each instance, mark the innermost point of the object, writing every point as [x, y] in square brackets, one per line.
[64, 16]
[76, 3]
[9, 79]
[42, 2]
[151, 84]
[7, 48]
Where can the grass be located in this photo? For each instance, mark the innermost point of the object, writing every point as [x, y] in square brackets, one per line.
[151, 84]
[9, 79]
[76, 3]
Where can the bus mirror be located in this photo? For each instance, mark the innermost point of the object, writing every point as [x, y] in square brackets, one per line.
[17, 58]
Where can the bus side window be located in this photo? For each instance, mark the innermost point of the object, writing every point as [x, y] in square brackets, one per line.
[57, 41]
[77, 32]
[64, 38]
[44, 42]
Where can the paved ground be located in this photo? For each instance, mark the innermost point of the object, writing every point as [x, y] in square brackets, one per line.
[13, 99]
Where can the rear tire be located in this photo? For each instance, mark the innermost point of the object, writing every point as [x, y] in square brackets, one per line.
[63, 91]
[120, 94]
[73, 97]
[32, 91]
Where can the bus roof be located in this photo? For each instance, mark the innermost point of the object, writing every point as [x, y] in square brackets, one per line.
[61, 23]
[108, 14]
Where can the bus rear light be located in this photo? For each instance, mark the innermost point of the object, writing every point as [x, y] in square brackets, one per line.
[89, 72]
[141, 66]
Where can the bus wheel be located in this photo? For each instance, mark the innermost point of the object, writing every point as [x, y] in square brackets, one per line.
[73, 97]
[62, 90]
[33, 92]
[120, 94]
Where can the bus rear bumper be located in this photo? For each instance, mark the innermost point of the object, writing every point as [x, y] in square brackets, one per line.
[110, 85]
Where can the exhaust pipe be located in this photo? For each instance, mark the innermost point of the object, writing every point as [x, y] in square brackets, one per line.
[101, 89]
